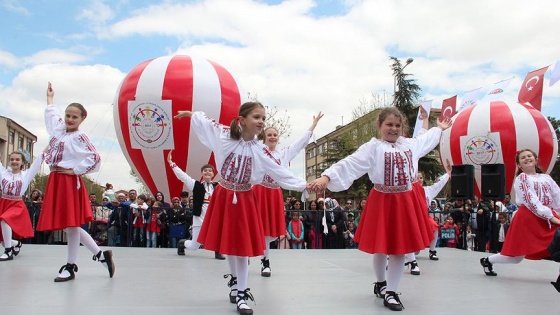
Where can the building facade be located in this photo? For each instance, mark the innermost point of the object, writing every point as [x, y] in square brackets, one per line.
[13, 137]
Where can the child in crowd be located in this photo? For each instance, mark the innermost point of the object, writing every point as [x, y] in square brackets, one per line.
[109, 193]
[138, 211]
[470, 238]
[153, 223]
[395, 220]
[202, 192]
[538, 197]
[70, 155]
[232, 224]
[295, 230]
[450, 224]
[270, 200]
[14, 217]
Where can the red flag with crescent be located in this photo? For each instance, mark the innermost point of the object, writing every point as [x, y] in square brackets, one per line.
[532, 88]
[448, 108]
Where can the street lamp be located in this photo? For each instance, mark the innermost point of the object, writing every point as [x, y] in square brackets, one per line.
[408, 61]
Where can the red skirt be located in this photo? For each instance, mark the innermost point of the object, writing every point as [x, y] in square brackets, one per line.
[270, 204]
[232, 229]
[15, 213]
[421, 193]
[528, 235]
[64, 205]
[395, 223]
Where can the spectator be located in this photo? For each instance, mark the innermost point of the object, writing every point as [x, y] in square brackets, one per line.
[347, 208]
[349, 233]
[177, 222]
[470, 238]
[295, 231]
[118, 221]
[511, 207]
[139, 209]
[153, 226]
[164, 230]
[449, 224]
[109, 193]
[335, 223]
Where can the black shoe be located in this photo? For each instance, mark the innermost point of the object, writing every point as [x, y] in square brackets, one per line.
[414, 270]
[106, 260]
[8, 254]
[218, 256]
[265, 270]
[71, 268]
[181, 247]
[485, 263]
[379, 289]
[233, 292]
[433, 255]
[241, 300]
[17, 248]
[392, 301]
[556, 284]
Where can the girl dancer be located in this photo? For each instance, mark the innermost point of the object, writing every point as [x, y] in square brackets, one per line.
[429, 192]
[232, 225]
[66, 204]
[14, 217]
[538, 197]
[395, 221]
[270, 201]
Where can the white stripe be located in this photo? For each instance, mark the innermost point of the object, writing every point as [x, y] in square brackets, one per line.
[150, 87]
[207, 97]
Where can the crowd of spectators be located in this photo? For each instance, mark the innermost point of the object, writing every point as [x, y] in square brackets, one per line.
[132, 220]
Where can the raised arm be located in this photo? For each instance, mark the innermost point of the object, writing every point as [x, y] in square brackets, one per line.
[182, 176]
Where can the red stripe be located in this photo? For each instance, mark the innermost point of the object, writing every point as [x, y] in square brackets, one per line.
[502, 121]
[546, 144]
[178, 87]
[128, 93]
[231, 101]
[459, 129]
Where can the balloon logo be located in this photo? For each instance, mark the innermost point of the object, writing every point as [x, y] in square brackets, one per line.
[143, 109]
[490, 133]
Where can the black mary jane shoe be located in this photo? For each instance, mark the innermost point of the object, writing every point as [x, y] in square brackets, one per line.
[392, 301]
[487, 265]
[231, 283]
[71, 268]
[8, 254]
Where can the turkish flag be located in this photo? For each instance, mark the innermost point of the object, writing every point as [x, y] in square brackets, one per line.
[532, 88]
[448, 108]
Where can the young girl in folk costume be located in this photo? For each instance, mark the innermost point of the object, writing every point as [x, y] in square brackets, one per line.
[429, 193]
[66, 203]
[395, 221]
[270, 201]
[202, 192]
[14, 216]
[538, 197]
[232, 224]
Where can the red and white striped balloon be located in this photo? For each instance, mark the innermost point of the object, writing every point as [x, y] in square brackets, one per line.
[493, 132]
[144, 106]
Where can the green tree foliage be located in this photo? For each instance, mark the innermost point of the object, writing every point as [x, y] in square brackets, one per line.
[40, 182]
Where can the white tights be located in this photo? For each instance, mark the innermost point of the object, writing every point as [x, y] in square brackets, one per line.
[394, 270]
[267, 240]
[7, 235]
[77, 235]
[501, 259]
[239, 268]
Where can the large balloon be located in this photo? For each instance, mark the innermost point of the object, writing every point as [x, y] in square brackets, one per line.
[490, 133]
[144, 106]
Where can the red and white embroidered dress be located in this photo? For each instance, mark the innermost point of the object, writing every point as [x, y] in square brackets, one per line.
[395, 220]
[66, 201]
[232, 224]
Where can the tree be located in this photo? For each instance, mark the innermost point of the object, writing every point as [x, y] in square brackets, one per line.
[279, 120]
[142, 188]
[405, 98]
[40, 182]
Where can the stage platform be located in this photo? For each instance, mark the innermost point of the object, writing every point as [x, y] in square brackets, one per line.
[307, 282]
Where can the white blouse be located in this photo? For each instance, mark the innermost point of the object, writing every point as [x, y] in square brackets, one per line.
[433, 190]
[240, 161]
[539, 193]
[390, 166]
[15, 185]
[284, 156]
[71, 150]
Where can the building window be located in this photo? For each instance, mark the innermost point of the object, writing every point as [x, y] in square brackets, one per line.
[12, 137]
[29, 147]
[20, 142]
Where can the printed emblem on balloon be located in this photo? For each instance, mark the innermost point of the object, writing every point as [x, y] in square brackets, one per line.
[150, 125]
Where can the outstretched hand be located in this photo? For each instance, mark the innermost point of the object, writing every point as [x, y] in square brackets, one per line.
[319, 184]
[50, 94]
[183, 113]
[316, 120]
[169, 160]
[446, 123]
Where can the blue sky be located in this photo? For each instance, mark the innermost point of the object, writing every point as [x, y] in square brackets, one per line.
[302, 56]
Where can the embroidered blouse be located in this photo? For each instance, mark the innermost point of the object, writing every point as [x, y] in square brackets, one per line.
[71, 150]
[391, 167]
[241, 163]
[539, 193]
[15, 185]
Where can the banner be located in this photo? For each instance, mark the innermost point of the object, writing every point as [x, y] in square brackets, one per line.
[532, 88]
[448, 108]
[427, 105]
